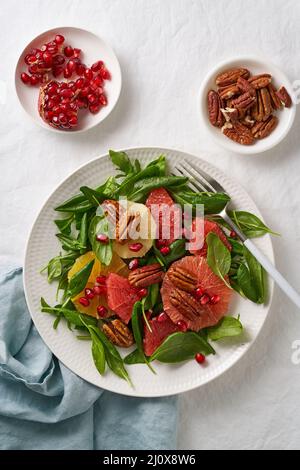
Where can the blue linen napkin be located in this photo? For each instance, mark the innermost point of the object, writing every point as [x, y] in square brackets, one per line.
[43, 405]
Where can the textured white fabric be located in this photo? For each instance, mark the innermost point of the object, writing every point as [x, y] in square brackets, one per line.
[165, 48]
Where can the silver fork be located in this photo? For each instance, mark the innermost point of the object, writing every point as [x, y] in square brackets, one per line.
[201, 181]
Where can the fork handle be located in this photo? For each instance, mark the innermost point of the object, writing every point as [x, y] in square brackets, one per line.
[270, 268]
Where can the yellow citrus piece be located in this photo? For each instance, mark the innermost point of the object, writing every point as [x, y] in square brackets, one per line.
[116, 266]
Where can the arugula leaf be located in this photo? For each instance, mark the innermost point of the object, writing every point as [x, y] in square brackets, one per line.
[250, 224]
[218, 257]
[83, 233]
[54, 268]
[122, 162]
[75, 204]
[227, 327]
[103, 251]
[180, 347]
[78, 282]
[213, 202]
[69, 243]
[71, 315]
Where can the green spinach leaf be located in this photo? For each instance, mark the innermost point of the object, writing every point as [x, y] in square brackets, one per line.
[103, 251]
[250, 224]
[122, 162]
[227, 327]
[135, 357]
[78, 282]
[180, 347]
[218, 257]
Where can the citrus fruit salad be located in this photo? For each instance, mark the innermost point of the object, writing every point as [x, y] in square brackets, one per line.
[146, 264]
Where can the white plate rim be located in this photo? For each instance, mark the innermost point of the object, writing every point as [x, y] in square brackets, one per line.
[40, 122]
[221, 140]
[132, 391]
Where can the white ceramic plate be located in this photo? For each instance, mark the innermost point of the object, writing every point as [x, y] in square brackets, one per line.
[93, 49]
[286, 116]
[170, 379]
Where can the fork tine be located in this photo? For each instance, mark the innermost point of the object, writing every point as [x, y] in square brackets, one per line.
[202, 183]
[189, 183]
[207, 178]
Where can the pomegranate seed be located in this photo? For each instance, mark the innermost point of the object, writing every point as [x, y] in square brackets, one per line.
[33, 68]
[81, 103]
[80, 68]
[25, 78]
[94, 108]
[135, 247]
[67, 93]
[47, 57]
[200, 358]
[88, 74]
[76, 52]
[67, 73]
[162, 317]
[58, 60]
[34, 80]
[199, 292]
[142, 292]
[68, 51]
[51, 104]
[97, 66]
[73, 121]
[84, 301]
[98, 81]
[102, 311]
[104, 73]
[215, 299]
[57, 71]
[59, 39]
[38, 54]
[85, 91]
[160, 243]
[103, 99]
[100, 290]
[55, 120]
[89, 293]
[233, 234]
[80, 83]
[205, 299]
[62, 118]
[52, 89]
[56, 109]
[101, 279]
[133, 264]
[93, 99]
[165, 250]
[102, 238]
[71, 65]
[182, 325]
[29, 59]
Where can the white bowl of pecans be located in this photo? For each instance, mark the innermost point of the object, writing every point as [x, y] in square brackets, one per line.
[247, 105]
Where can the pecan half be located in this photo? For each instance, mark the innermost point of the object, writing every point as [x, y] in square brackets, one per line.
[231, 76]
[214, 109]
[185, 303]
[244, 102]
[238, 133]
[146, 275]
[260, 81]
[275, 101]
[228, 92]
[263, 129]
[284, 97]
[182, 279]
[263, 107]
[118, 333]
[245, 86]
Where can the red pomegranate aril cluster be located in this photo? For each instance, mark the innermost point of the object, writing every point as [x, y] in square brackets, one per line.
[204, 298]
[57, 106]
[89, 293]
[135, 247]
[165, 250]
[84, 301]
[182, 326]
[101, 280]
[57, 60]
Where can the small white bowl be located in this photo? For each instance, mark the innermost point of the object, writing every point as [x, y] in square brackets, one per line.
[93, 49]
[285, 116]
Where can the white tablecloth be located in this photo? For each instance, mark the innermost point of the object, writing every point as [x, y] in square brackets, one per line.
[165, 48]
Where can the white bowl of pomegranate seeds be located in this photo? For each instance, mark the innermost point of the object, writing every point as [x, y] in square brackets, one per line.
[68, 79]
[247, 104]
